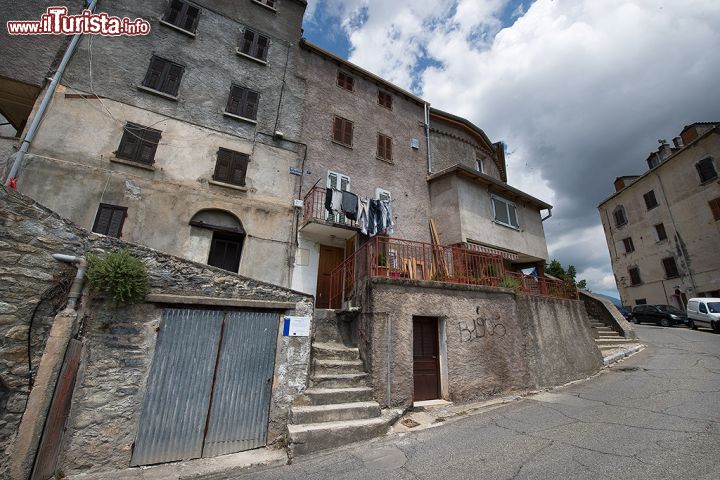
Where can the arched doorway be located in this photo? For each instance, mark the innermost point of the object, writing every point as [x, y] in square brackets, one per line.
[227, 238]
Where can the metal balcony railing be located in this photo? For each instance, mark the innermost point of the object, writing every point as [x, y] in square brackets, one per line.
[314, 210]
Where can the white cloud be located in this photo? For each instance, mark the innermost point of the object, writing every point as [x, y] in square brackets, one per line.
[580, 90]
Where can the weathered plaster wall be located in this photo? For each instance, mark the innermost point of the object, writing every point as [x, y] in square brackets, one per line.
[604, 311]
[451, 145]
[693, 234]
[497, 342]
[119, 342]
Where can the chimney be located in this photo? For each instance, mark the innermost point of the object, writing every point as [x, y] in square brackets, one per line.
[619, 184]
[664, 150]
[677, 141]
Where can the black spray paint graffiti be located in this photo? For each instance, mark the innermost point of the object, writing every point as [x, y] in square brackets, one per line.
[481, 327]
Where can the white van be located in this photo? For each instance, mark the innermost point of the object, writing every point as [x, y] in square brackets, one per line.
[704, 312]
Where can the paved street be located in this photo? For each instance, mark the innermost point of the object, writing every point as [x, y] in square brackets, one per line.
[655, 415]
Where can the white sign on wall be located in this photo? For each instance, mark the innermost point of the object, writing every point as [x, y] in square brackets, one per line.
[296, 326]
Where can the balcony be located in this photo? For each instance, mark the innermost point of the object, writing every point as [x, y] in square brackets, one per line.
[406, 259]
[318, 222]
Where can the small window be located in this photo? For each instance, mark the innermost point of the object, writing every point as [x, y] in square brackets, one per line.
[385, 99]
[629, 247]
[634, 276]
[109, 220]
[384, 147]
[640, 301]
[660, 232]
[182, 15]
[231, 167]
[479, 164]
[505, 212]
[254, 45]
[343, 131]
[671, 270]
[715, 208]
[163, 76]
[706, 170]
[345, 81]
[619, 215]
[381, 194]
[243, 102]
[650, 200]
[138, 144]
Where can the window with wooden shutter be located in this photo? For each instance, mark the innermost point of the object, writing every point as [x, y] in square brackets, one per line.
[385, 99]
[634, 276]
[163, 76]
[628, 243]
[660, 232]
[109, 220]
[182, 15]
[671, 270]
[619, 215]
[254, 45]
[231, 167]
[384, 147]
[243, 102]
[650, 200]
[343, 131]
[138, 144]
[345, 81]
[706, 170]
[715, 208]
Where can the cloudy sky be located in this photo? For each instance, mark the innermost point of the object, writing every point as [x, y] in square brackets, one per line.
[579, 90]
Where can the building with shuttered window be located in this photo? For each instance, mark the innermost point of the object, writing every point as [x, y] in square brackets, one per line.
[663, 227]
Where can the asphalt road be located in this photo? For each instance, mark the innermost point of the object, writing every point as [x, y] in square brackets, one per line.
[654, 415]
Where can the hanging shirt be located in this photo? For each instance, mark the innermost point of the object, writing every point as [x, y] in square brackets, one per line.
[388, 223]
[336, 203]
[350, 205]
[375, 218]
[328, 199]
[363, 215]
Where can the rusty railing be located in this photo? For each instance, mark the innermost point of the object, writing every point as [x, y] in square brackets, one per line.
[314, 210]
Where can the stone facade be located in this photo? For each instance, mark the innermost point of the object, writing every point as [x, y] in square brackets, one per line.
[118, 342]
[685, 213]
[492, 342]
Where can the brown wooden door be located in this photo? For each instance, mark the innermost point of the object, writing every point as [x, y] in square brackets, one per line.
[330, 257]
[426, 366]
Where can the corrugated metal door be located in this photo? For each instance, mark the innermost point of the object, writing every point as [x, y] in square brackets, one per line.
[177, 398]
[243, 383]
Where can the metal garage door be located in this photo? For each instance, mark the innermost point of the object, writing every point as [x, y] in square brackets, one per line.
[179, 421]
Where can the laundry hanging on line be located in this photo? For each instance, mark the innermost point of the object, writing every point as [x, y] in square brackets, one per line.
[374, 217]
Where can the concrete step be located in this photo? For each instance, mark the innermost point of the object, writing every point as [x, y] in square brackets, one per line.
[334, 413]
[327, 396]
[609, 335]
[338, 366]
[604, 329]
[339, 380]
[319, 436]
[334, 351]
[612, 341]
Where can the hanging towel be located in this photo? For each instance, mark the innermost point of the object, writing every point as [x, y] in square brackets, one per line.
[350, 205]
[388, 223]
[328, 199]
[363, 215]
[375, 218]
[336, 203]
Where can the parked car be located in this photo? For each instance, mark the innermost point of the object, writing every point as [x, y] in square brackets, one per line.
[625, 312]
[665, 315]
[704, 312]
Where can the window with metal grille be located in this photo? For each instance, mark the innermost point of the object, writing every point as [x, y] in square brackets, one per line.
[715, 208]
[660, 232]
[109, 220]
[619, 215]
[629, 247]
[343, 131]
[505, 212]
[182, 15]
[706, 170]
[384, 147]
[345, 81]
[138, 144]
[254, 45]
[634, 276]
[231, 167]
[385, 99]
[671, 270]
[243, 102]
[163, 76]
[650, 200]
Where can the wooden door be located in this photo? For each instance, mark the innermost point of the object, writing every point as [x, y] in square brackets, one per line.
[330, 257]
[426, 365]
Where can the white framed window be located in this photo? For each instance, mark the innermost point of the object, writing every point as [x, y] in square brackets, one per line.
[381, 194]
[341, 182]
[505, 212]
[479, 164]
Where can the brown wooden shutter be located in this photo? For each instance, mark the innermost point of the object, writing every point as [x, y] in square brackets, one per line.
[223, 166]
[191, 18]
[337, 129]
[148, 147]
[109, 220]
[715, 208]
[240, 163]
[116, 222]
[388, 148]
[129, 142]
[248, 40]
[154, 75]
[380, 146]
[172, 81]
[261, 47]
[235, 100]
[251, 104]
[348, 133]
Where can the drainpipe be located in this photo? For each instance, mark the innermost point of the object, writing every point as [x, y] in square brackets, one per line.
[76, 288]
[427, 137]
[44, 104]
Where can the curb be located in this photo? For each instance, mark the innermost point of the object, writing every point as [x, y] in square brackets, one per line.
[609, 360]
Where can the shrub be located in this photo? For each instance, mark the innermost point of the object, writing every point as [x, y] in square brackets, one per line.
[510, 282]
[120, 275]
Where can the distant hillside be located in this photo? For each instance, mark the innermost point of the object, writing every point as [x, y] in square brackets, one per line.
[614, 300]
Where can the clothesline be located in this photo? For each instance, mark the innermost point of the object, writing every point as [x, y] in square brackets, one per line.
[373, 215]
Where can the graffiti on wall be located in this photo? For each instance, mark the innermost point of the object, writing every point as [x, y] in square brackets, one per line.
[481, 327]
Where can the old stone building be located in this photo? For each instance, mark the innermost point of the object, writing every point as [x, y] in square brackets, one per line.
[662, 227]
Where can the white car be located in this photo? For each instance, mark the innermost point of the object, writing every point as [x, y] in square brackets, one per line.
[704, 312]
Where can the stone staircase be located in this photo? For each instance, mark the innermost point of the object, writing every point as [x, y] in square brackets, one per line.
[608, 339]
[338, 408]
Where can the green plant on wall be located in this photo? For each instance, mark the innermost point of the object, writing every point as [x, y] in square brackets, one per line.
[510, 282]
[382, 260]
[119, 275]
